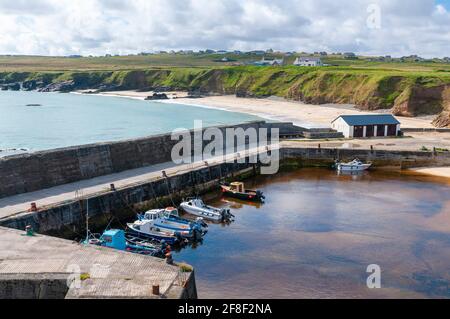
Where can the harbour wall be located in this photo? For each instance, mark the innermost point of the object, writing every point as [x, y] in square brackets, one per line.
[381, 159]
[68, 219]
[30, 172]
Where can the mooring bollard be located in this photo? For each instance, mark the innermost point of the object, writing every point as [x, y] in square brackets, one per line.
[33, 207]
[156, 290]
[169, 259]
[29, 230]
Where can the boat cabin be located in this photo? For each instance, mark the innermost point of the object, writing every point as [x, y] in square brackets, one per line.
[237, 187]
[114, 238]
[196, 202]
[152, 215]
[158, 213]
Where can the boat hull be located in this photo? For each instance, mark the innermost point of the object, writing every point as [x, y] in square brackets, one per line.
[153, 236]
[353, 168]
[200, 213]
[242, 196]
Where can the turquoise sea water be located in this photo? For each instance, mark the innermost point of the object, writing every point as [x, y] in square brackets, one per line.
[71, 119]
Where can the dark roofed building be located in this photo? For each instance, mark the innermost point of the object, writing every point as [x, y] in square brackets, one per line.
[362, 126]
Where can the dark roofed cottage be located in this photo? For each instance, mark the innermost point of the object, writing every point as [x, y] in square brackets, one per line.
[364, 126]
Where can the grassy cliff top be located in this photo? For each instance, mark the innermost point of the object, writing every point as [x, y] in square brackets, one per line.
[141, 62]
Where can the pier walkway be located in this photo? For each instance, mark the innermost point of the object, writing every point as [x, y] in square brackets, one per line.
[47, 198]
[51, 268]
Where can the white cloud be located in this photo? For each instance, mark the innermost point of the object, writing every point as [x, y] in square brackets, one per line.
[58, 27]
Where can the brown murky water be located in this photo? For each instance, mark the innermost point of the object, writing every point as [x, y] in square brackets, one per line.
[318, 232]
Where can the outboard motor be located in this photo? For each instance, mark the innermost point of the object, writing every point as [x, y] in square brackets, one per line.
[261, 195]
[198, 233]
[227, 215]
[199, 221]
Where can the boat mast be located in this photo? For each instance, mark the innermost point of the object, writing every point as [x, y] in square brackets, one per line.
[87, 219]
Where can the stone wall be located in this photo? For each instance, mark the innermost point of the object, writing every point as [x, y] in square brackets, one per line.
[68, 220]
[33, 286]
[381, 159]
[30, 172]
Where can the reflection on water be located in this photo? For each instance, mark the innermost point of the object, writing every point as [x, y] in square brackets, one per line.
[317, 233]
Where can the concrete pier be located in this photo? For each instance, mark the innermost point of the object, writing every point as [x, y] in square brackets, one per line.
[61, 210]
[51, 268]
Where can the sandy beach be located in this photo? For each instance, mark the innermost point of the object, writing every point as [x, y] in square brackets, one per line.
[277, 109]
[434, 171]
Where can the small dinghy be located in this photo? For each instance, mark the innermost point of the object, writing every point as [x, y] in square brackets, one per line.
[355, 166]
[117, 239]
[196, 207]
[237, 190]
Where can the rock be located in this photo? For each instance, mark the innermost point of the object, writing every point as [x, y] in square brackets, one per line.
[157, 96]
[11, 87]
[32, 85]
[66, 86]
[443, 120]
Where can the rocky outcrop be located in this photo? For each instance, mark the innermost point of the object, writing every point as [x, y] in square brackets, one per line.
[66, 86]
[157, 96]
[10, 87]
[419, 100]
[443, 120]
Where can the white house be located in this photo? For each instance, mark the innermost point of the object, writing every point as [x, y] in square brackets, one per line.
[308, 61]
[363, 126]
[270, 61]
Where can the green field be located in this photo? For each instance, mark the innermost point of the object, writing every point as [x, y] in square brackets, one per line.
[408, 88]
[38, 63]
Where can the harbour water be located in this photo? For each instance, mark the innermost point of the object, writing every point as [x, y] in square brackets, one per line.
[318, 232]
[38, 121]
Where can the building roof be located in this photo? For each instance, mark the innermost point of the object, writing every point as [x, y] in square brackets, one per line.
[308, 59]
[376, 119]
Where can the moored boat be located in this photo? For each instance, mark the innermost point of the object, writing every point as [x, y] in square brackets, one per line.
[168, 220]
[116, 239]
[196, 207]
[354, 166]
[144, 229]
[237, 190]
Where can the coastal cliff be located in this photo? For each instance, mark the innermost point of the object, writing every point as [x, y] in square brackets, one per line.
[405, 93]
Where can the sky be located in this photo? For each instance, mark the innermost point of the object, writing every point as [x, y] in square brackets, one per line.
[98, 27]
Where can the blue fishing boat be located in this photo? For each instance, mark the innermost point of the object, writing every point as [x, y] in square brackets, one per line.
[144, 229]
[117, 239]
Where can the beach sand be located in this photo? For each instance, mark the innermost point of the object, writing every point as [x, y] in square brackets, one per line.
[277, 109]
[434, 171]
[142, 95]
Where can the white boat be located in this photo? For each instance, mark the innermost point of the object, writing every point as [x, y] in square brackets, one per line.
[197, 207]
[355, 166]
[168, 221]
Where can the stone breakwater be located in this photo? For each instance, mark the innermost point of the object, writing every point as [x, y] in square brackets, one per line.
[67, 218]
[30, 172]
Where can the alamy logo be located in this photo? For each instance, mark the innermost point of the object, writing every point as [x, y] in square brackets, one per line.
[229, 145]
[374, 280]
[374, 18]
